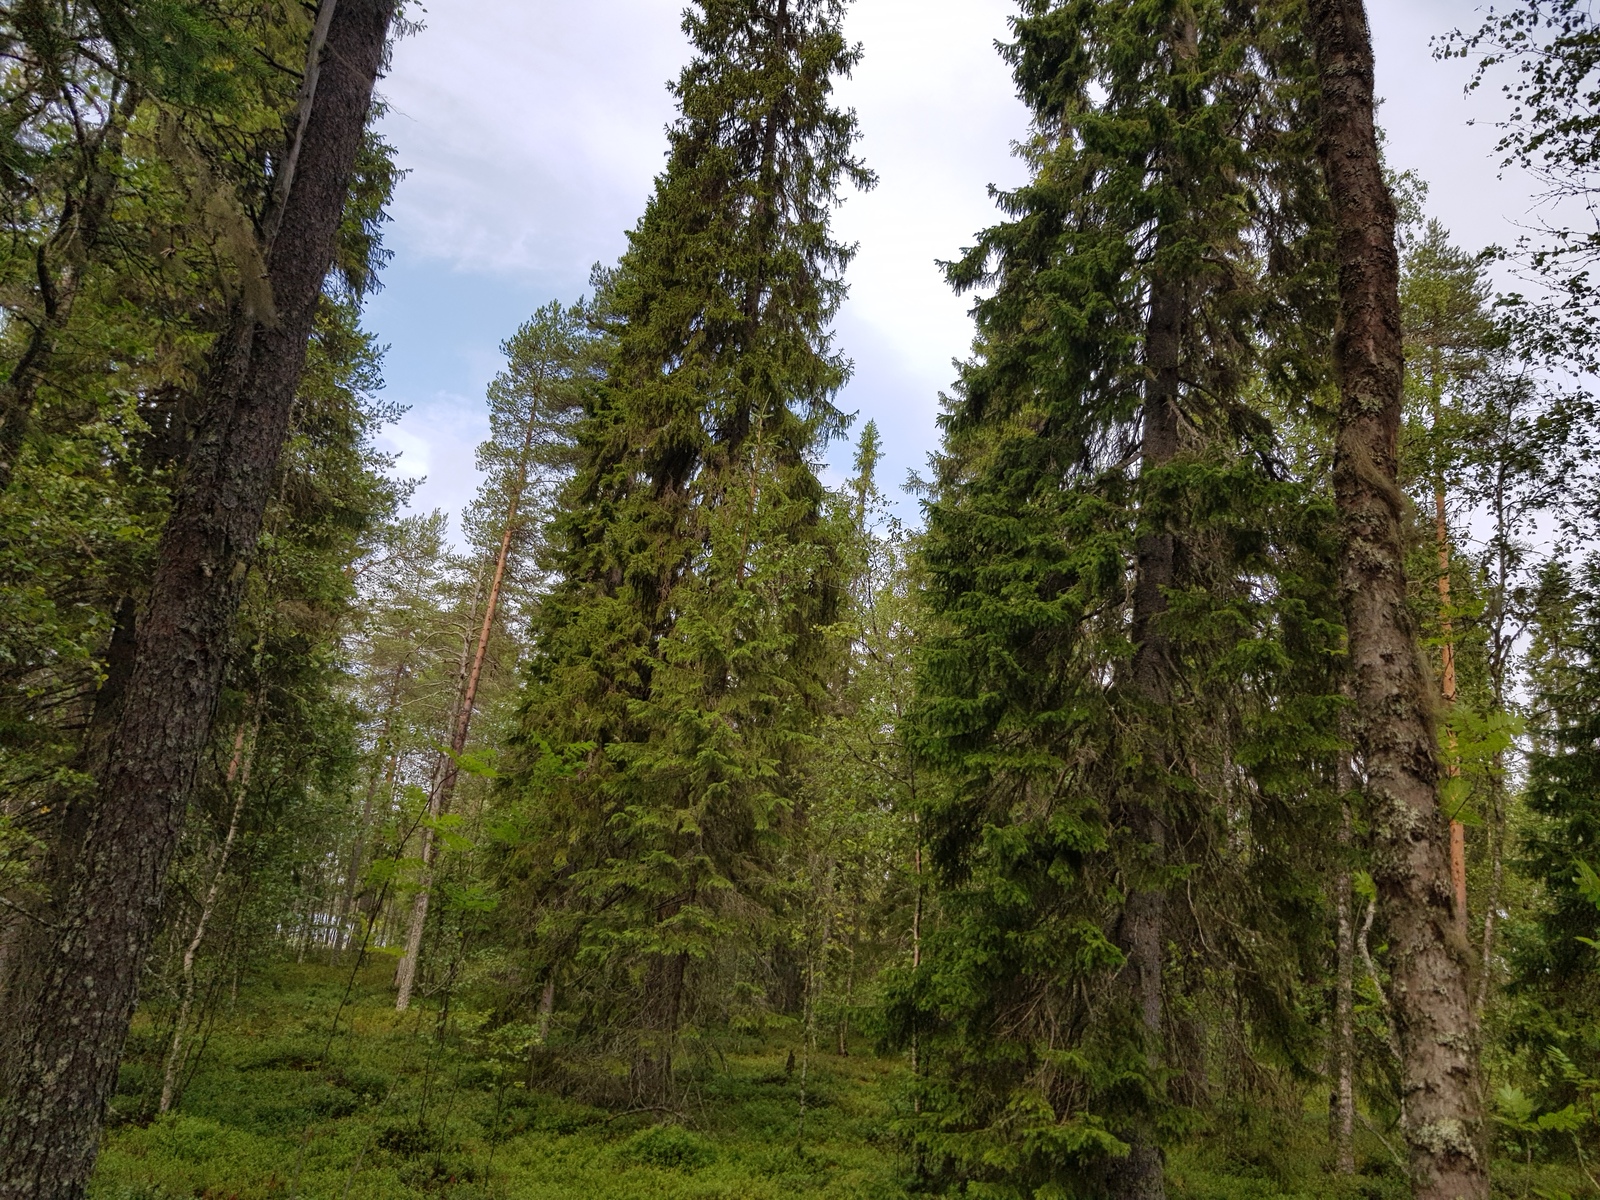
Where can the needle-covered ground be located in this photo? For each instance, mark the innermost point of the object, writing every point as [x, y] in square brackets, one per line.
[394, 1107]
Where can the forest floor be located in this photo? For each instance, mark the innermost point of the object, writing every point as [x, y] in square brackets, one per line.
[387, 1110]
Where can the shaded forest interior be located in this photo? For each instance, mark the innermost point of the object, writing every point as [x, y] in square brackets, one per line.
[1199, 797]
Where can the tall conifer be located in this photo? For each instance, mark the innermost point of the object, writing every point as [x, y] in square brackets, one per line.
[1084, 686]
[684, 653]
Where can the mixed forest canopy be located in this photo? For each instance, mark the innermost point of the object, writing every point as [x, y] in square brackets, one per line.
[1198, 797]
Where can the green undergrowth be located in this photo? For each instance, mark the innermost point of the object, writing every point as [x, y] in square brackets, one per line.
[387, 1109]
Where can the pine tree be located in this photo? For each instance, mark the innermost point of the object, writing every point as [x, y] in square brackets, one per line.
[683, 655]
[1450, 338]
[532, 406]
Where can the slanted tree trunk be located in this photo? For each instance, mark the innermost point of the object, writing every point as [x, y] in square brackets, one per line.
[1141, 1176]
[405, 975]
[70, 1003]
[547, 1007]
[450, 768]
[1395, 729]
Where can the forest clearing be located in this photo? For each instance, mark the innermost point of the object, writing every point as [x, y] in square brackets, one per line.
[1186, 784]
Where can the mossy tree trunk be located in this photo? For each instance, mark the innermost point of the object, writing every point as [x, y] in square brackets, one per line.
[1396, 734]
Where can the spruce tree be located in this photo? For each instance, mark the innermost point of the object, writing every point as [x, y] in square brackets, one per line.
[1083, 687]
[1553, 1004]
[684, 651]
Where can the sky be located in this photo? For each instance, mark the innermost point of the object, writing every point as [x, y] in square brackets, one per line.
[531, 131]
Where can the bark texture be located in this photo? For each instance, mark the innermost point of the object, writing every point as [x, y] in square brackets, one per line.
[1430, 960]
[1344, 1007]
[70, 1003]
[1141, 1176]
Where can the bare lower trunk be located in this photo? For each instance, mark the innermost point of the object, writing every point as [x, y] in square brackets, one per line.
[383, 780]
[1497, 856]
[70, 1003]
[849, 999]
[1344, 1025]
[547, 1006]
[916, 963]
[808, 1025]
[405, 977]
[406, 972]
[1430, 958]
[653, 1063]
[461, 725]
[238, 781]
[448, 769]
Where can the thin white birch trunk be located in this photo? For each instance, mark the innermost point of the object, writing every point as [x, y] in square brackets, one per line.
[238, 778]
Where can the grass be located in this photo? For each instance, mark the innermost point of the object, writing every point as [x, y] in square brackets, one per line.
[386, 1110]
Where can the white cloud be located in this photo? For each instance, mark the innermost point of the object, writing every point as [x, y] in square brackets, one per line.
[437, 444]
[1434, 128]
[533, 130]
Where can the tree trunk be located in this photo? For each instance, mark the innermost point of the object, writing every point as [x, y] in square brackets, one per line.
[547, 1006]
[653, 1075]
[1344, 1024]
[71, 1002]
[916, 966]
[1395, 730]
[1141, 1175]
[238, 781]
[1447, 681]
[383, 778]
[450, 768]
[405, 975]
[1497, 852]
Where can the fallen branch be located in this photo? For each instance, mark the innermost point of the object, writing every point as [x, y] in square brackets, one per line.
[1373, 1130]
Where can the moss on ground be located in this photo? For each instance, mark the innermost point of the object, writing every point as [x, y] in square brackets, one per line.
[386, 1110]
